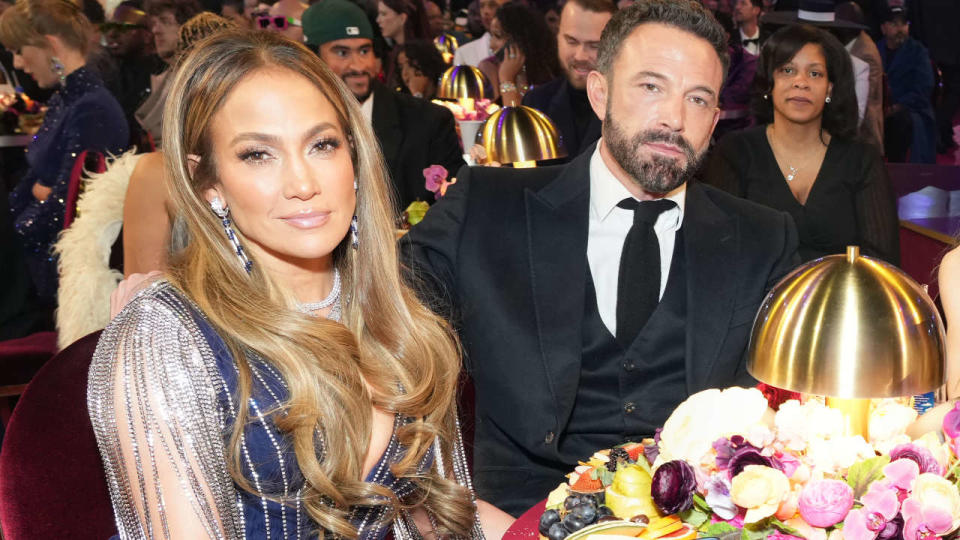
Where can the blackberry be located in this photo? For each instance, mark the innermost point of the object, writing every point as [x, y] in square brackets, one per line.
[616, 456]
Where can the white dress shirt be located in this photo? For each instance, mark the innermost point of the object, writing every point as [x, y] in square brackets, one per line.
[474, 52]
[861, 83]
[608, 228]
[752, 48]
[366, 108]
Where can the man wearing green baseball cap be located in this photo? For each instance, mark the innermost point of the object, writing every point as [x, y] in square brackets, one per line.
[413, 133]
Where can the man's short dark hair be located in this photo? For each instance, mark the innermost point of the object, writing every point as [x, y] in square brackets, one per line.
[687, 15]
[595, 6]
[757, 4]
[182, 10]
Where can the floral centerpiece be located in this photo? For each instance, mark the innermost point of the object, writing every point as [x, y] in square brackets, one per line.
[469, 109]
[726, 464]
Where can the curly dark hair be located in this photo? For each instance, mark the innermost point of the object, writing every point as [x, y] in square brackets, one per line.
[840, 115]
[182, 10]
[687, 15]
[529, 31]
[423, 56]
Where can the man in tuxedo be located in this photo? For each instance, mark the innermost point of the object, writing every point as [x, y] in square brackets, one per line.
[592, 298]
[413, 133]
[564, 100]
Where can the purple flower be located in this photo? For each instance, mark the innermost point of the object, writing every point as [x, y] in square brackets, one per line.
[718, 497]
[434, 176]
[673, 486]
[951, 422]
[918, 454]
[749, 455]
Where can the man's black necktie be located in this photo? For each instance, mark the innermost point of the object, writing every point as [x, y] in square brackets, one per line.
[638, 286]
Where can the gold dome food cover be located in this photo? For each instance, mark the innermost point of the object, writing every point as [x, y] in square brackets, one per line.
[848, 326]
[521, 134]
[463, 82]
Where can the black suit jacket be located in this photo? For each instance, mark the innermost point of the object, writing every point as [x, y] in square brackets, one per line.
[508, 249]
[414, 134]
[553, 100]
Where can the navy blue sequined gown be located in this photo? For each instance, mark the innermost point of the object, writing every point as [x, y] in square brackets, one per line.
[82, 115]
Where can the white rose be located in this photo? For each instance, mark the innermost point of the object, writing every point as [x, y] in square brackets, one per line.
[839, 453]
[888, 424]
[799, 424]
[706, 416]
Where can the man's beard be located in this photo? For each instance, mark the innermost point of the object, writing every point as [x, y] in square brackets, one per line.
[658, 174]
[572, 73]
[360, 98]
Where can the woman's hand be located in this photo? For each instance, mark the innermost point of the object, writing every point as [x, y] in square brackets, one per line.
[41, 192]
[128, 288]
[512, 64]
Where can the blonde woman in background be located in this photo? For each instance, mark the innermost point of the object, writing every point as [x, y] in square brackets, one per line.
[282, 382]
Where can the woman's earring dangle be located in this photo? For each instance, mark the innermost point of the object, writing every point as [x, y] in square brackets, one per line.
[223, 213]
[354, 235]
[56, 66]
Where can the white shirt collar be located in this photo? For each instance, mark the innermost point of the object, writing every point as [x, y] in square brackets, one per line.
[366, 108]
[756, 34]
[606, 191]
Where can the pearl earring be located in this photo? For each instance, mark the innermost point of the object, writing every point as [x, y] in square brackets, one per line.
[828, 99]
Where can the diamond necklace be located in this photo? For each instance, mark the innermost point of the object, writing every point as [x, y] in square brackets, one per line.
[330, 300]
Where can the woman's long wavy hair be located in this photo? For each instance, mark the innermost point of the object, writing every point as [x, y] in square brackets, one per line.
[390, 351]
[840, 115]
[529, 31]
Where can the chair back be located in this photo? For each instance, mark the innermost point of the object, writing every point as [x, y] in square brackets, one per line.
[86, 161]
[52, 483]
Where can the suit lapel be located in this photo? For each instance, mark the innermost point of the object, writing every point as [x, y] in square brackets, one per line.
[557, 224]
[386, 124]
[711, 246]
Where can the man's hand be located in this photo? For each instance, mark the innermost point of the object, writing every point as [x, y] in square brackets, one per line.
[41, 192]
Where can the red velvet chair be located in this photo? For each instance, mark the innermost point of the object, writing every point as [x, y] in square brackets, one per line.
[52, 483]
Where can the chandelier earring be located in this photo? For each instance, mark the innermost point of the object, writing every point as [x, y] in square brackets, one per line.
[223, 213]
[354, 234]
[56, 66]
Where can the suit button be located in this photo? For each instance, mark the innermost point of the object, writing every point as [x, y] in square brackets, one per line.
[549, 438]
[628, 365]
[629, 407]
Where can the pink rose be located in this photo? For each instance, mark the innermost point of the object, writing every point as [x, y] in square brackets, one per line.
[825, 502]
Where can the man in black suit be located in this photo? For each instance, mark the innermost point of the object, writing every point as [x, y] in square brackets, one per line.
[585, 322]
[564, 100]
[413, 133]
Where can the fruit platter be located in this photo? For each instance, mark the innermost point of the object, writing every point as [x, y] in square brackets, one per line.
[726, 465]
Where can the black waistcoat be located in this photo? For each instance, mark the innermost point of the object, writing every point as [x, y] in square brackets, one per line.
[628, 394]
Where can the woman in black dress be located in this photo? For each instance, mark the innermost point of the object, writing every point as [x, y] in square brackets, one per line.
[803, 157]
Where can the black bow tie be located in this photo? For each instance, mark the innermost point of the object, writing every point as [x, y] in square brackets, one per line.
[755, 41]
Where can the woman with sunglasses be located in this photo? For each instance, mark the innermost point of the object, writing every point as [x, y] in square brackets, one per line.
[282, 382]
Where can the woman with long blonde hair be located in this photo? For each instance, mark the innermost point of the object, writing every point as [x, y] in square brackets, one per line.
[281, 382]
